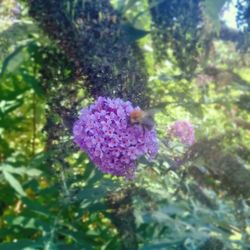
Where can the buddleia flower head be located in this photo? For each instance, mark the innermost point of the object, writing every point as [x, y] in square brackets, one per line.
[104, 132]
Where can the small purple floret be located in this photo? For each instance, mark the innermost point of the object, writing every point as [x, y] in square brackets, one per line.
[184, 131]
[105, 133]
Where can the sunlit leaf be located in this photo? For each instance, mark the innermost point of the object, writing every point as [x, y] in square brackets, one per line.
[124, 5]
[14, 182]
[20, 170]
[12, 61]
[212, 9]
[10, 106]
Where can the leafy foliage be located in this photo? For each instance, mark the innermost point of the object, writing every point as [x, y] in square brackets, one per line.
[176, 25]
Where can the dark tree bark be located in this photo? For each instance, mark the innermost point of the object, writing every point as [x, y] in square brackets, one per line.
[96, 43]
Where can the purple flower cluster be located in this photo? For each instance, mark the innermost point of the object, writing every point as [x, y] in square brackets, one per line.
[105, 133]
[184, 131]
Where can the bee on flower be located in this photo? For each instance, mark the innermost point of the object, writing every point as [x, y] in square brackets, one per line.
[144, 118]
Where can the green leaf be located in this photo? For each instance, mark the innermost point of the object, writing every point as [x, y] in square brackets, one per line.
[14, 183]
[37, 208]
[5, 148]
[12, 61]
[22, 221]
[32, 172]
[22, 245]
[92, 194]
[130, 4]
[124, 5]
[80, 240]
[10, 106]
[5, 167]
[33, 83]
[212, 9]
[133, 34]
[91, 174]
[12, 95]
[20, 170]
[14, 121]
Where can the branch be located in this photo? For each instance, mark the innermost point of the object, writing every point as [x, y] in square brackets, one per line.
[225, 168]
[95, 41]
[231, 35]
